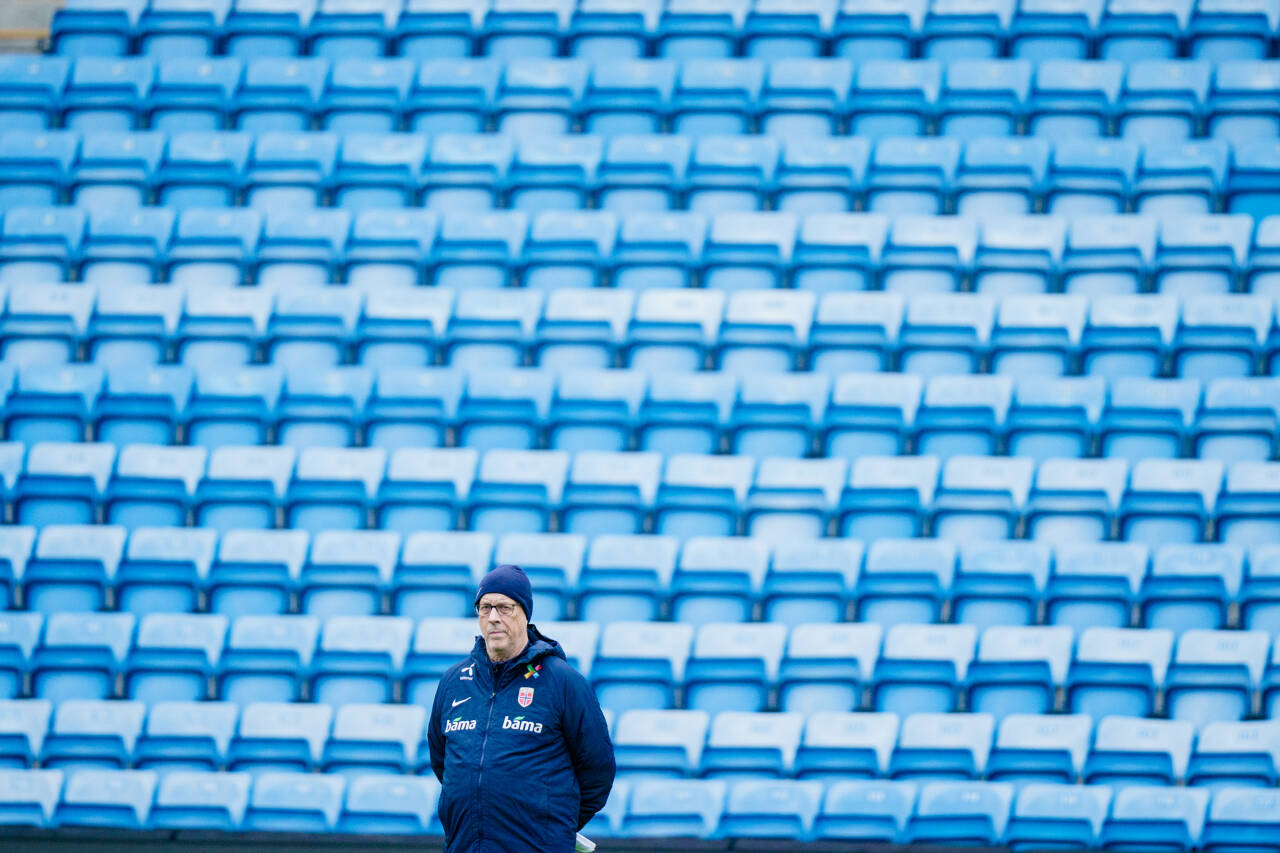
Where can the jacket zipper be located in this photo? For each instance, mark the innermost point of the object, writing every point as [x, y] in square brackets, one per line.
[484, 742]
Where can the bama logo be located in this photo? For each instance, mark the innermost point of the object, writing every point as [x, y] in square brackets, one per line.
[520, 724]
[457, 724]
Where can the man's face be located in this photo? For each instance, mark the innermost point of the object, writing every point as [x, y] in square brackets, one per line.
[503, 625]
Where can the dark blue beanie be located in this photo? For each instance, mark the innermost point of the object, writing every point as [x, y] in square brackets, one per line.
[510, 581]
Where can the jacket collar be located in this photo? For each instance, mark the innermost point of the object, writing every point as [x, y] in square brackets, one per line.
[500, 673]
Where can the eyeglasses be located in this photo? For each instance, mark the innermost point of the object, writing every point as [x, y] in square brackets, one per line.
[483, 610]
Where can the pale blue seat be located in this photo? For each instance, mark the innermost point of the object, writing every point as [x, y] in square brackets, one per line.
[1118, 671]
[905, 581]
[292, 802]
[921, 666]
[1000, 583]
[760, 808]
[1054, 418]
[106, 798]
[718, 579]
[683, 807]
[841, 745]
[90, 733]
[640, 664]
[517, 490]
[347, 572]
[553, 562]
[610, 493]
[28, 797]
[811, 580]
[960, 813]
[72, 567]
[1131, 751]
[1094, 583]
[410, 409]
[1048, 814]
[865, 810]
[374, 739]
[661, 744]
[1048, 748]
[264, 656]
[1018, 670]
[193, 799]
[888, 496]
[751, 745]
[377, 803]
[595, 410]
[826, 667]
[185, 736]
[438, 571]
[1214, 674]
[626, 576]
[23, 725]
[334, 488]
[174, 656]
[943, 746]
[1169, 500]
[733, 667]
[280, 737]
[944, 333]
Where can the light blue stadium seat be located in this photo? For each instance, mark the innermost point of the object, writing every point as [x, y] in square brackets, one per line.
[759, 808]
[63, 483]
[1072, 101]
[913, 176]
[942, 746]
[920, 667]
[1019, 669]
[437, 645]
[999, 177]
[626, 577]
[363, 94]
[282, 95]
[553, 561]
[733, 667]
[1169, 500]
[1148, 419]
[1000, 583]
[871, 413]
[1220, 337]
[1246, 515]
[43, 325]
[181, 735]
[1054, 32]
[131, 326]
[32, 88]
[981, 96]
[1190, 586]
[594, 411]
[1217, 32]
[514, 30]
[374, 739]
[124, 246]
[52, 402]
[685, 412]
[106, 94]
[865, 810]
[960, 813]
[1202, 255]
[612, 30]
[537, 97]
[408, 410]
[450, 95]
[467, 172]
[80, 655]
[385, 804]
[244, 487]
[825, 668]
[819, 175]
[702, 495]
[72, 567]
[1240, 814]
[426, 30]
[92, 733]
[905, 581]
[347, 572]
[811, 580]
[1236, 420]
[207, 169]
[888, 496]
[279, 736]
[35, 164]
[660, 744]
[192, 91]
[1117, 671]
[264, 656]
[961, 415]
[779, 30]
[639, 173]
[793, 499]
[1131, 751]
[673, 330]
[1040, 748]
[140, 403]
[334, 488]
[1037, 337]
[640, 664]
[233, 407]
[713, 95]
[215, 248]
[1048, 815]
[804, 99]
[929, 255]
[1213, 675]
[840, 745]
[195, 799]
[164, 568]
[945, 333]
[568, 250]
[748, 251]
[1111, 256]
[730, 174]
[321, 407]
[1162, 98]
[892, 98]
[777, 414]
[265, 28]
[658, 250]
[1258, 594]
[114, 170]
[1242, 100]
[375, 169]
[438, 571]
[681, 807]
[386, 254]
[718, 579]
[490, 329]
[174, 656]
[981, 498]
[106, 798]
[1094, 583]
[289, 802]
[424, 488]
[1132, 31]
[297, 255]
[517, 490]
[359, 659]
[1180, 178]
[764, 330]
[23, 725]
[1054, 418]
[553, 172]
[19, 634]
[39, 244]
[835, 253]
[744, 744]
[578, 640]
[1234, 753]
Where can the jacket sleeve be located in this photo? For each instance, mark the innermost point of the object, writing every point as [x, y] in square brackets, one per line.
[590, 748]
[435, 732]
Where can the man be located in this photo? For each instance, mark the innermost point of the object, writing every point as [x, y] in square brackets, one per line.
[517, 737]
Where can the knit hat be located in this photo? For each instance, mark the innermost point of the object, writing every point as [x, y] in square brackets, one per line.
[510, 581]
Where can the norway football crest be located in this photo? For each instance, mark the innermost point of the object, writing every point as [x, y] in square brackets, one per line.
[526, 697]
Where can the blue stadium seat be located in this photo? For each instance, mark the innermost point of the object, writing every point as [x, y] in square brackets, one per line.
[427, 29]
[451, 95]
[19, 633]
[733, 667]
[263, 657]
[334, 488]
[52, 402]
[553, 562]
[185, 736]
[1128, 336]
[1239, 813]
[774, 29]
[1000, 583]
[80, 655]
[424, 488]
[713, 95]
[39, 244]
[243, 487]
[569, 250]
[942, 746]
[133, 324]
[718, 579]
[1131, 31]
[659, 250]
[192, 92]
[944, 333]
[685, 412]
[1234, 753]
[744, 744]
[891, 98]
[289, 802]
[659, 744]
[513, 29]
[347, 572]
[640, 664]
[804, 99]
[1236, 420]
[187, 799]
[363, 94]
[1242, 105]
[1111, 256]
[1075, 500]
[1180, 179]
[840, 745]
[913, 176]
[999, 177]
[905, 581]
[1045, 815]
[682, 807]
[1040, 748]
[114, 170]
[1245, 513]
[266, 28]
[106, 94]
[164, 568]
[43, 325]
[626, 577]
[578, 640]
[1094, 583]
[467, 172]
[282, 94]
[595, 411]
[438, 572]
[638, 173]
[298, 254]
[1220, 337]
[408, 410]
[612, 30]
[387, 253]
[826, 667]
[32, 86]
[202, 169]
[673, 329]
[385, 804]
[125, 246]
[35, 164]
[376, 169]
[960, 813]
[91, 733]
[1213, 675]
[318, 406]
[489, 330]
[553, 172]
[437, 645]
[63, 483]
[279, 736]
[835, 253]
[871, 414]
[106, 798]
[920, 667]
[1216, 32]
[233, 407]
[888, 496]
[730, 174]
[981, 96]
[142, 403]
[1055, 32]
[961, 415]
[748, 251]
[1191, 586]
[23, 724]
[72, 567]
[370, 739]
[517, 491]
[811, 580]
[1037, 337]
[1130, 751]
[1202, 255]
[1117, 671]
[1162, 98]
[981, 498]
[702, 495]
[819, 175]
[761, 808]
[793, 499]
[1148, 419]
[778, 414]
[1169, 500]
[215, 248]
[865, 810]
[1019, 669]
[359, 659]
[765, 330]
[174, 656]
[537, 97]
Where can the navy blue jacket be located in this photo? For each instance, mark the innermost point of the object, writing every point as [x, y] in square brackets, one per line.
[521, 749]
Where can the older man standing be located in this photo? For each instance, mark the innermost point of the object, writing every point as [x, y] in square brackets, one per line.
[517, 737]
